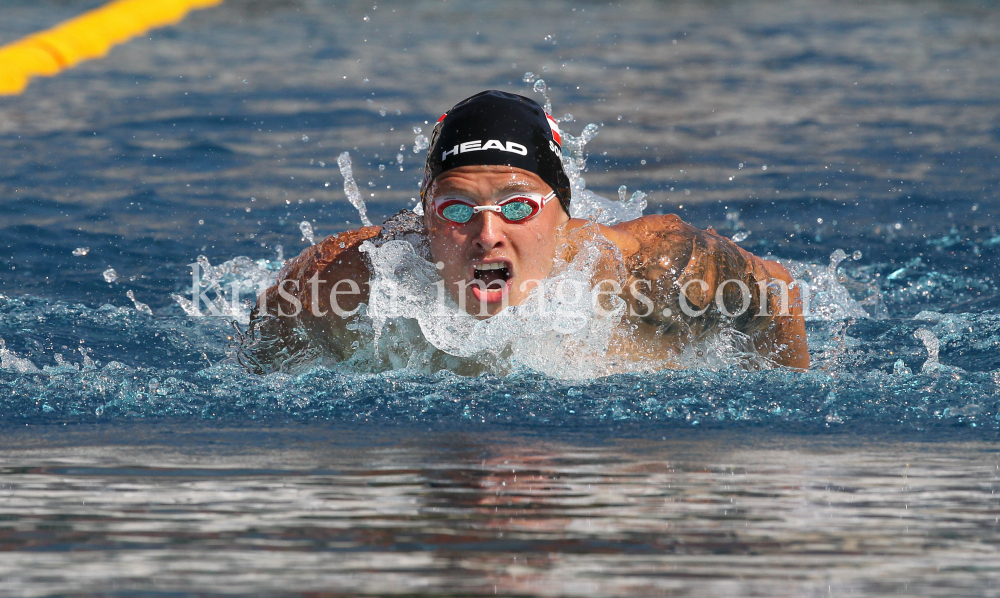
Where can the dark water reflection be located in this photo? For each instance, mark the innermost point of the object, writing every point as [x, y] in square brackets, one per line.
[326, 509]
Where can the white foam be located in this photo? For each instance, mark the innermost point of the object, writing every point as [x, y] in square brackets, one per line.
[10, 361]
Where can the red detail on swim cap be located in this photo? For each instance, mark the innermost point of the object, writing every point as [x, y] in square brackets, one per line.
[556, 134]
[442, 117]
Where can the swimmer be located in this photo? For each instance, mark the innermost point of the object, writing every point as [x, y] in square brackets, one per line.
[496, 218]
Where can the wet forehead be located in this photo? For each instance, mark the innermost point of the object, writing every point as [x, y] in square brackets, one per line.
[487, 181]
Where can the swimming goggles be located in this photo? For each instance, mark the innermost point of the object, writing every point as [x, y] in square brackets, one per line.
[517, 207]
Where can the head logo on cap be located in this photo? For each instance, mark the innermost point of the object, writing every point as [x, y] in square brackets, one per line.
[498, 128]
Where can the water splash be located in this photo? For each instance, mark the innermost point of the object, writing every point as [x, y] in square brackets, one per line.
[10, 361]
[139, 305]
[307, 232]
[557, 330]
[351, 188]
[110, 275]
[933, 345]
[542, 88]
[229, 289]
[824, 297]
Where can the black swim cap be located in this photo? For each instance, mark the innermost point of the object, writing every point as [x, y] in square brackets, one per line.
[497, 128]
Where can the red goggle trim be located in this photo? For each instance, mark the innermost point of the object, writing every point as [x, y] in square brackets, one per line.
[536, 201]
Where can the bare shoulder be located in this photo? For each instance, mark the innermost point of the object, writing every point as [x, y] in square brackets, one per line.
[701, 281]
[668, 245]
[336, 252]
[674, 258]
[653, 224]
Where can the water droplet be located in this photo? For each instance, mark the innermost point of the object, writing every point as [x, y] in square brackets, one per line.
[81, 251]
[110, 275]
[420, 144]
[307, 232]
[529, 77]
[856, 255]
[305, 139]
[764, 167]
[741, 236]
[417, 130]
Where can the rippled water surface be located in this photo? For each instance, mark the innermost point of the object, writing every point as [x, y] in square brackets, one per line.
[459, 510]
[138, 458]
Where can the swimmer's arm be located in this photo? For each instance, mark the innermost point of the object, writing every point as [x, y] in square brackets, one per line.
[784, 341]
[672, 254]
[312, 302]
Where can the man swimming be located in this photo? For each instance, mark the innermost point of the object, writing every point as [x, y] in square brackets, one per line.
[496, 218]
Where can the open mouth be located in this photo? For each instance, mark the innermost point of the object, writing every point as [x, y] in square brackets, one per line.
[495, 278]
[494, 275]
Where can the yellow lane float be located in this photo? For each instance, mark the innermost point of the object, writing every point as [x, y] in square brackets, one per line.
[86, 37]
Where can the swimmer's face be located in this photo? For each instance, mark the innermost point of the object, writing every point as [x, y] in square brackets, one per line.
[507, 258]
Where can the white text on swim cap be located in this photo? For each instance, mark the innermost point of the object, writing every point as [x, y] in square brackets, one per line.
[477, 146]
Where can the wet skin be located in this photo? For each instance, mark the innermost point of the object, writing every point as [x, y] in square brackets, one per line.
[528, 250]
[661, 252]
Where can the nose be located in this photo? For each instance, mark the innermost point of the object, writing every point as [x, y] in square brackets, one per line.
[491, 233]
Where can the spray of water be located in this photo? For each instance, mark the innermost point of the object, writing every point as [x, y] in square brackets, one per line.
[307, 232]
[351, 188]
[932, 344]
[139, 305]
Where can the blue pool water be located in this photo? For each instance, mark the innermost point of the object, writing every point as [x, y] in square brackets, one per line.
[140, 458]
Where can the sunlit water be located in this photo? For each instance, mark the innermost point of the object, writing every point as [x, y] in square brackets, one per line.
[858, 143]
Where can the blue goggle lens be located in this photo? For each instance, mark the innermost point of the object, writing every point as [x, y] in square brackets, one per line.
[458, 212]
[516, 210]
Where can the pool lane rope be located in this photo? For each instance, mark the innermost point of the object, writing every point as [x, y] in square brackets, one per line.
[88, 36]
